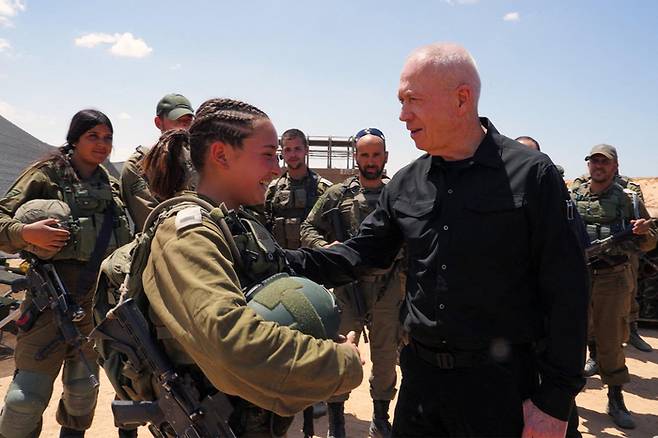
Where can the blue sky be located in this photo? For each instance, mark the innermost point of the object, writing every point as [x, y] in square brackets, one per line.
[569, 73]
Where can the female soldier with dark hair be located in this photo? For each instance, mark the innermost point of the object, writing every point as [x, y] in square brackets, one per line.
[73, 174]
[194, 282]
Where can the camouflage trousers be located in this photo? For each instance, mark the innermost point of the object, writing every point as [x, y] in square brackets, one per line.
[610, 303]
[383, 300]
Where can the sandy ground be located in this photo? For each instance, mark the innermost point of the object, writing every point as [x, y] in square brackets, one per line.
[641, 398]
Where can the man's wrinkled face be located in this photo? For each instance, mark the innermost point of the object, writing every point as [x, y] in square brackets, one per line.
[294, 152]
[601, 168]
[371, 156]
[428, 106]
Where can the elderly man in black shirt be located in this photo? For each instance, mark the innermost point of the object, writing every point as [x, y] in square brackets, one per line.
[497, 285]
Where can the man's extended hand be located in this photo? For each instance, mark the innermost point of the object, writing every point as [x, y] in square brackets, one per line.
[350, 340]
[538, 424]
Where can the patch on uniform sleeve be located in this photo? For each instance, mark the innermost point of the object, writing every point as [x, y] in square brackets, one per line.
[187, 217]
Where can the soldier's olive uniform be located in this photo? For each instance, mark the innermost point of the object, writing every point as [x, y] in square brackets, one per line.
[90, 201]
[135, 188]
[287, 203]
[626, 183]
[612, 276]
[382, 289]
[194, 288]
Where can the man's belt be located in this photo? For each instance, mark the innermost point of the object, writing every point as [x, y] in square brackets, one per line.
[614, 263]
[449, 359]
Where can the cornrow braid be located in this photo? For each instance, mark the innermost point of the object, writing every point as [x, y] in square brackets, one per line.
[226, 120]
[164, 166]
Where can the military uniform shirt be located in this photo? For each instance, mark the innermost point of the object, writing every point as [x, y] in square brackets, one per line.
[491, 256]
[193, 288]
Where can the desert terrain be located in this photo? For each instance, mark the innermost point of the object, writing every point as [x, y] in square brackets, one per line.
[641, 395]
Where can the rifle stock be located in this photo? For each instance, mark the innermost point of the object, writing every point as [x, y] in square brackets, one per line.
[176, 412]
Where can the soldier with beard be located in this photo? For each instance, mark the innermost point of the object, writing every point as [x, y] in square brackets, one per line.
[335, 217]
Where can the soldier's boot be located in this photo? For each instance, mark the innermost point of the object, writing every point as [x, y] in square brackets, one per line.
[380, 427]
[336, 413]
[617, 409]
[636, 340]
[66, 432]
[591, 367]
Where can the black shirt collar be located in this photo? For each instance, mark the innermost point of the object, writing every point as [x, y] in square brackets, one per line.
[487, 153]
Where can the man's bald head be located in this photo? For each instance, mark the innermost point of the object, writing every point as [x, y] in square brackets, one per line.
[452, 64]
[439, 92]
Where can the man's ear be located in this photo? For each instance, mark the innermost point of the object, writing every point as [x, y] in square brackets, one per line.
[464, 97]
[158, 122]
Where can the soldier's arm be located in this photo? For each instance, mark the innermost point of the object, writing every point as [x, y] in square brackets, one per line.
[136, 194]
[32, 184]
[314, 231]
[649, 240]
[193, 288]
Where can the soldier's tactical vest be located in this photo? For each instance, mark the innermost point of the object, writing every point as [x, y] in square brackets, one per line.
[90, 203]
[257, 257]
[603, 214]
[290, 205]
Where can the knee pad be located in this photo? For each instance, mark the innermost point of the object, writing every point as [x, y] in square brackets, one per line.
[27, 397]
[79, 395]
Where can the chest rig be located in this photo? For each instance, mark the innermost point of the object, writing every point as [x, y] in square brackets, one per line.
[604, 214]
[290, 205]
[91, 201]
[356, 203]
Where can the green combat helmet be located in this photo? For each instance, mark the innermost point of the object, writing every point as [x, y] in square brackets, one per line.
[40, 209]
[298, 303]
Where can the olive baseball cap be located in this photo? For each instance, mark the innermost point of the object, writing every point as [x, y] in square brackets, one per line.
[604, 149]
[173, 106]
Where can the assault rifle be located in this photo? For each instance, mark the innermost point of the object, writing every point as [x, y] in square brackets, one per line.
[177, 412]
[600, 247]
[356, 297]
[48, 292]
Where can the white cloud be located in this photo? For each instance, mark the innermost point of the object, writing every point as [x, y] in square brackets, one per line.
[175, 67]
[128, 45]
[8, 9]
[93, 39]
[4, 45]
[123, 44]
[5, 22]
[125, 116]
[512, 16]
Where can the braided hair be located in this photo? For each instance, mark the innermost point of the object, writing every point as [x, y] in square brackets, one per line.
[226, 120]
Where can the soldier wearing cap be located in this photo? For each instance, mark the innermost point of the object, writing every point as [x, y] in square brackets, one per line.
[606, 210]
[173, 111]
[632, 189]
[342, 208]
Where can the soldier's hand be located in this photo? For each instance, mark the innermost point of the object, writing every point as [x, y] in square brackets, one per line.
[45, 234]
[641, 226]
[350, 340]
[329, 245]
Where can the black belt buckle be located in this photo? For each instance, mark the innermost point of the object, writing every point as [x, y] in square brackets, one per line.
[445, 360]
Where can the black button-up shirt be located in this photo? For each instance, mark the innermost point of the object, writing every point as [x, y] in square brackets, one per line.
[492, 257]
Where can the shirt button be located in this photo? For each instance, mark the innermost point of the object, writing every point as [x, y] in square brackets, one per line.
[450, 191]
[442, 306]
[445, 227]
[444, 267]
